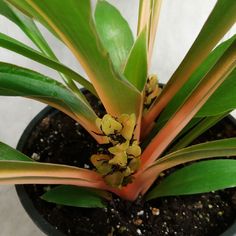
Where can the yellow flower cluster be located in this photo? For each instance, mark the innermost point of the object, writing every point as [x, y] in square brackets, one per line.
[152, 90]
[123, 157]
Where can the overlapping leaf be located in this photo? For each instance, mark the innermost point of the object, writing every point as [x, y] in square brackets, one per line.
[20, 48]
[73, 22]
[213, 30]
[221, 101]
[17, 81]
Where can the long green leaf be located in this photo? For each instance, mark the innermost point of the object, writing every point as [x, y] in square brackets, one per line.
[73, 22]
[17, 81]
[136, 67]
[214, 78]
[114, 32]
[218, 148]
[20, 48]
[196, 78]
[214, 29]
[198, 178]
[74, 196]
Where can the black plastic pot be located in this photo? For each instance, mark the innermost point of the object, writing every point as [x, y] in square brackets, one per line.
[38, 219]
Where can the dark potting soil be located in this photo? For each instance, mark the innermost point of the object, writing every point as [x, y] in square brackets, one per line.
[58, 139]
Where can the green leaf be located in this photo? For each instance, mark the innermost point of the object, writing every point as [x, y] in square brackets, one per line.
[208, 85]
[27, 26]
[216, 26]
[196, 77]
[17, 81]
[10, 154]
[114, 32]
[198, 178]
[223, 100]
[136, 67]
[73, 21]
[31, 30]
[20, 48]
[74, 196]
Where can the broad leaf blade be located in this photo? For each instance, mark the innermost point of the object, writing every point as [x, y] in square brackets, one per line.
[74, 196]
[114, 32]
[73, 22]
[136, 66]
[198, 178]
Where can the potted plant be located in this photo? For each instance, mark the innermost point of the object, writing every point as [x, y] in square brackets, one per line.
[141, 130]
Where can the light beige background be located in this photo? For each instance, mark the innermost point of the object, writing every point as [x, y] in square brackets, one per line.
[180, 23]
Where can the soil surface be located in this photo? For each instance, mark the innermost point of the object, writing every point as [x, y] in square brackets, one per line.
[58, 139]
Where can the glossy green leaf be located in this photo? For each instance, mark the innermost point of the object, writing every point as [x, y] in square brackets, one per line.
[114, 32]
[10, 154]
[136, 66]
[74, 196]
[197, 178]
[72, 20]
[17, 81]
[20, 48]
[196, 78]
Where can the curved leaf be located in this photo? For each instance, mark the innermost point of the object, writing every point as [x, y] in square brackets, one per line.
[20, 48]
[114, 32]
[208, 85]
[197, 178]
[28, 26]
[196, 78]
[214, 29]
[74, 196]
[73, 22]
[17, 81]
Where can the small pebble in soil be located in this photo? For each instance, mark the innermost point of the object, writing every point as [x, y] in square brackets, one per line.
[138, 222]
[139, 232]
[140, 213]
[35, 156]
[155, 211]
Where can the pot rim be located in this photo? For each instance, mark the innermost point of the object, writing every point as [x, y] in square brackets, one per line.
[27, 203]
